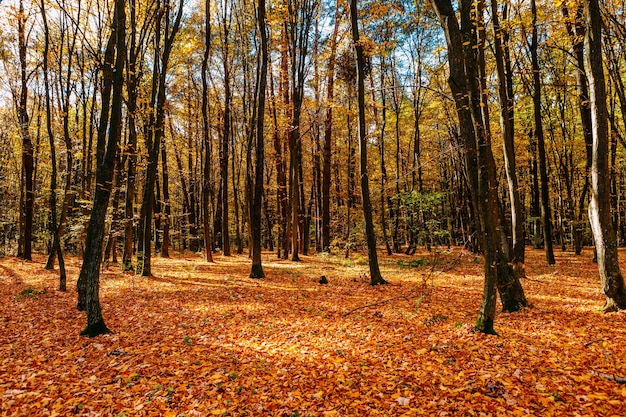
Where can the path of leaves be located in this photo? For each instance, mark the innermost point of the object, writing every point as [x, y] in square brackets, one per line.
[202, 339]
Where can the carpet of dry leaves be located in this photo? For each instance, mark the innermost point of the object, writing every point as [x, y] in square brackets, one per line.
[202, 339]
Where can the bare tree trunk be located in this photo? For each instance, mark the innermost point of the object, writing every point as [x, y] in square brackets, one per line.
[546, 215]
[599, 207]
[54, 226]
[27, 208]
[576, 33]
[508, 135]
[375, 276]
[206, 135]
[255, 210]
[328, 134]
[89, 279]
[225, 143]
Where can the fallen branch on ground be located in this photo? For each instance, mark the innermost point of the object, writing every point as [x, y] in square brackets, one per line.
[619, 380]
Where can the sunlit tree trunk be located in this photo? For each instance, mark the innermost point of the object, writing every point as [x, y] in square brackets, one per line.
[507, 126]
[167, 211]
[576, 34]
[328, 134]
[599, 207]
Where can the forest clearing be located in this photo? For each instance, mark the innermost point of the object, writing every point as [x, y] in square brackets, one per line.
[201, 339]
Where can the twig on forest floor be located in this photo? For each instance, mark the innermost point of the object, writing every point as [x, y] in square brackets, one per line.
[619, 380]
[409, 295]
[594, 341]
[381, 302]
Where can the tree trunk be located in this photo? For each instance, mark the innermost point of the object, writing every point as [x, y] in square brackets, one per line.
[577, 37]
[255, 210]
[224, 152]
[27, 208]
[54, 226]
[328, 135]
[156, 126]
[89, 279]
[599, 207]
[206, 136]
[480, 165]
[508, 135]
[375, 276]
[546, 216]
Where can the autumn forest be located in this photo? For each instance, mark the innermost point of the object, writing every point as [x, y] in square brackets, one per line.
[312, 207]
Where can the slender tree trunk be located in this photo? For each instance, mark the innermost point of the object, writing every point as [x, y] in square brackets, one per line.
[166, 212]
[89, 279]
[206, 135]
[328, 135]
[576, 33]
[546, 215]
[27, 209]
[255, 210]
[382, 124]
[156, 125]
[375, 276]
[224, 151]
[599, 207]
[507, 126]
[54, 226]
[281, 181]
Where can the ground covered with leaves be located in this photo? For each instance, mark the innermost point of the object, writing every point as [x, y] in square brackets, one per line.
[202, 339]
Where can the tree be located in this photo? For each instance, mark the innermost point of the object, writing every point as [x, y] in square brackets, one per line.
[111, 126]
[28, 168]
[505, 97]
[599, 207]
[328, 134]
[376, 277]
[300, 14]
[546, 216]
[255, 209]
[156, 122]
[480, 165]
[54, 226]
[206, 136]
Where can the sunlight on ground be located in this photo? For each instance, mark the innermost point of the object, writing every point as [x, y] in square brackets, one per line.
[204, 339]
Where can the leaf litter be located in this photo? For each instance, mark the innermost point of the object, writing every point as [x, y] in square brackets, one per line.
[201, 339]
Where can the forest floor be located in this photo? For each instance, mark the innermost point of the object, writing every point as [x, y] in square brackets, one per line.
[202, 339]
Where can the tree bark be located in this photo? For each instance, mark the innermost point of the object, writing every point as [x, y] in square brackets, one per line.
[27, 208]
[106, 151]
[599, 207]
[328, 135]
[546, 216]
[480, 165]
[507, 126]
[255, 210]
[376, 277]
[206, 136]
[54, 225]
